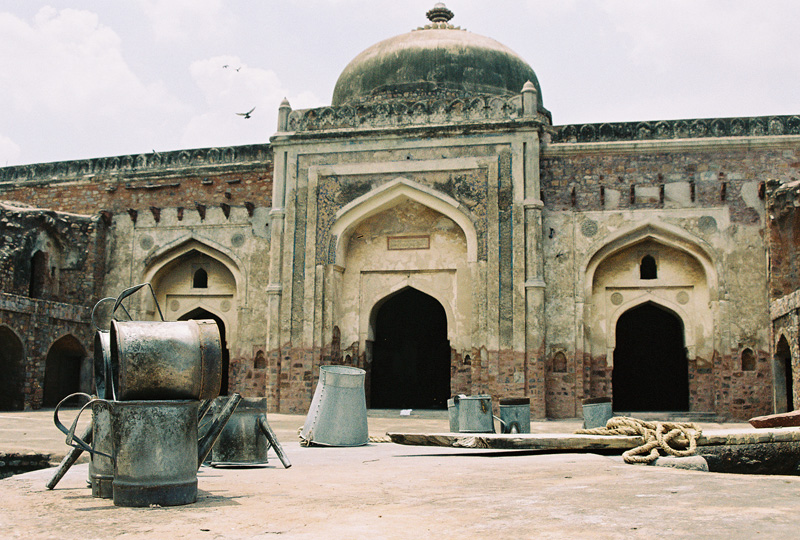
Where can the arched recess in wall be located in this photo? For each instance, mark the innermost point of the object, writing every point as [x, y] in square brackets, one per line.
[686, 283]
[65, 360]
[44, 265]
[783, 376]
[401, 234]
[194, 278]
[683, 290]
[12, 360]
[389, 195]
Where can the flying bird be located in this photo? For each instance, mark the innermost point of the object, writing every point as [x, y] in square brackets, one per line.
[225, 66]
[246, 114]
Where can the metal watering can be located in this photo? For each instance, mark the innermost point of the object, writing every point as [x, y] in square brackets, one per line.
[155, 448]
[246, 437]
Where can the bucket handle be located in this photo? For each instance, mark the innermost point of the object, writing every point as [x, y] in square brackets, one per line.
[94, 322]
[273, 440]
[129, 291]
[72, 439]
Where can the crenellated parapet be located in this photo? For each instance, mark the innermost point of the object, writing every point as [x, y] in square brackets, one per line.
[757, 126]
[404, 113]
[156, 162]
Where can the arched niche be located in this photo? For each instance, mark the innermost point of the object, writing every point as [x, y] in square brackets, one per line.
[194, 275]
[389, 195]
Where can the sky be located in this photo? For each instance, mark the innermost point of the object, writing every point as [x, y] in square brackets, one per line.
[94, 78]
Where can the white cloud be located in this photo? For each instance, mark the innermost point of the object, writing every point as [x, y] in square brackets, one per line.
[64, 77]
[237, 89]
[176, 20]
[9, 151]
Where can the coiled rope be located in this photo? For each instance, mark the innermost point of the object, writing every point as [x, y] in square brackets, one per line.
[674, 438]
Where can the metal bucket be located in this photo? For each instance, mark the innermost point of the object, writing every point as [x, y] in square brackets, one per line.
[166, 360]
[246, 438]
[102, 364]
[241, 442]
[338, 412]
[471, 414]
[155, 451]
[515, 415]
[101, 467]
[596, 412]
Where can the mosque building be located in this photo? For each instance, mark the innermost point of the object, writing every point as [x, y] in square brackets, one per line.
[435, 228]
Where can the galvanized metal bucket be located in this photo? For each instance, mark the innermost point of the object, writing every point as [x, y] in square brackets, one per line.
[154, 448]
[101, 465]
[153, 360]
[597, 412]
[471, 414]
[155, 452]
[241, 443]
[515, 415]
[338, 412]
[102, 364]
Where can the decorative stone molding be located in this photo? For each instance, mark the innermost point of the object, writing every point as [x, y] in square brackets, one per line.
[399, 112]
[154, 161]
[678, 129]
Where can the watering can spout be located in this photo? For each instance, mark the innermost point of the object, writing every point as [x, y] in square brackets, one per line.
[207, 442]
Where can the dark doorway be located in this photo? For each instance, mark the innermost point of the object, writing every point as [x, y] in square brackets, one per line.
[651, 371]
[784, 382]
[411, 354]
[13, 375]
[62, 370]
[199, 314]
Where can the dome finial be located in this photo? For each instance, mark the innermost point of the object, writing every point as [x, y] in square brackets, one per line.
[439, 13]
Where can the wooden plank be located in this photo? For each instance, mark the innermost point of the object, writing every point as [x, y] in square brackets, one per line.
[567, 441]
[519, 441]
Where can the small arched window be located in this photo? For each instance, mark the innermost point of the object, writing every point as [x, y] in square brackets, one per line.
[647, 268]
[559, 363]
[200, 279]
[748, 360]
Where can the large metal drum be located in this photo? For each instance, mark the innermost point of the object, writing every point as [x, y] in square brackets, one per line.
[166, 360]
[155, 451]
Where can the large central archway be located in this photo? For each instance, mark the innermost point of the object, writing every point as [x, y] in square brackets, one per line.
[651, 371]
[411, 354]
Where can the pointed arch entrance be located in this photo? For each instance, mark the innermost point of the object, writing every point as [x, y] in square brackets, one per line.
[411, 353]
[200, 313]
[62, 372]
[12, 373]
[651, 370]
[783, 377]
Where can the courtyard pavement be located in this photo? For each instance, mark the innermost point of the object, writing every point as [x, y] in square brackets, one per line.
[385, 490]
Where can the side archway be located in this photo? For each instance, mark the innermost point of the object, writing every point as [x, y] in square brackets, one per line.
[62, 373]
[12, 357]
[783, 376]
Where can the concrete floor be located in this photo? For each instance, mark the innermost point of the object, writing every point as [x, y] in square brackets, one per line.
[385, 490]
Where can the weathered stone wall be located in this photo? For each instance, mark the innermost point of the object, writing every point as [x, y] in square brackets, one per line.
[704, 198]
[37, 325]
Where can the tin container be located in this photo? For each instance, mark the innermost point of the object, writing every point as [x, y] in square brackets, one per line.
[515, 415]
[166, 360]
[471, 414]
[338, 412]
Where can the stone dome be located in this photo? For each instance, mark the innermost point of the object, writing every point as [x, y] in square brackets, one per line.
[437, 60]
